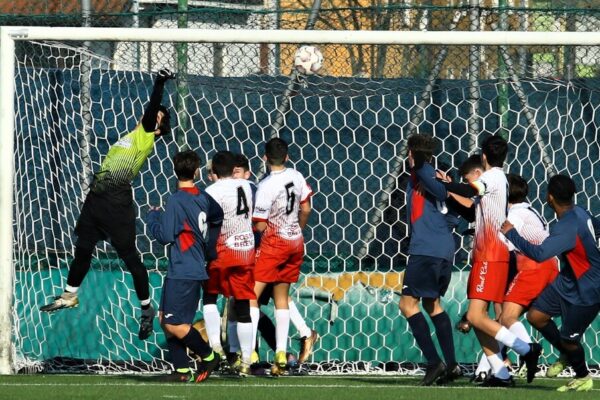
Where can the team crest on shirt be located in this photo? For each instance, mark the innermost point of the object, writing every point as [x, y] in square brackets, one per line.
[241, 241]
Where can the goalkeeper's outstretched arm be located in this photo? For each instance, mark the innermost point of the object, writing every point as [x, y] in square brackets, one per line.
[149, 120]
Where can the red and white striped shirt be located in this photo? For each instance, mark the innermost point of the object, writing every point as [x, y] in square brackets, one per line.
[278, 200]
[490, 213]
[531, 226]
[235, 244]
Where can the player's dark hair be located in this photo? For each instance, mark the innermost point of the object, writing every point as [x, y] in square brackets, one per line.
[470, 164]
[241, 161]
[562, 188]
[165, 122]
[276, 151]
[186, 163]
[495, 149]
[421, 146]
[223, 163]
[517, 189]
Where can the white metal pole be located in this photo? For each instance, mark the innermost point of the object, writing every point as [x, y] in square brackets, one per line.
[488, 38]
[7, 127]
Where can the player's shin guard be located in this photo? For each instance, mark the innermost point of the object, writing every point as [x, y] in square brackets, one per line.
[195, 343]
[177, 352]
[212, 323]
[298, 321]
[518, 329]
[420, 330]
[509, 339]
[443, 331]
[232, 336]
[282, 328]
[254, 316]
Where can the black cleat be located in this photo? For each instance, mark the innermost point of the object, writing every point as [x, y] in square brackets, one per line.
[207, 367]
[433, 373]
[479, 378]
[531, 360]
[183, 377]
[452, 373]
[494, 381]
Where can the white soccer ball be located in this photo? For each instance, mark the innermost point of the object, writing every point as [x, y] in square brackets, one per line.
[308, 60]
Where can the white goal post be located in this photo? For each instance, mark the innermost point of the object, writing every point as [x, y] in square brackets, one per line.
[10, 35]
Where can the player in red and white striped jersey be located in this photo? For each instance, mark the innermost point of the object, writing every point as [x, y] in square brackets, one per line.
[231, 273]
[281, 212]
[532, 277]
[489, 273]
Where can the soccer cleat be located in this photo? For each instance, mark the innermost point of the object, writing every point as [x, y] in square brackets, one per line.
[306, 346]
[65, 300]
[452, 373]
[584, 384]
[522, 371]
[244, 370]
[278, 367]
[433, 373]
[479, 378]
[531, 360]
[555, 369]
[146, 323]
[183, 377]
[234, 360]
[494, 381]
[207, 367]
[254, 358]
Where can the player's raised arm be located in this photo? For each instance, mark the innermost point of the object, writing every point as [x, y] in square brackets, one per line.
[149, 120]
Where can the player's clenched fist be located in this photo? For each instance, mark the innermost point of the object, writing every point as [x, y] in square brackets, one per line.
[506, 226]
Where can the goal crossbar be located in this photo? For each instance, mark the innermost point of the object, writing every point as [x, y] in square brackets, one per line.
[490, 38]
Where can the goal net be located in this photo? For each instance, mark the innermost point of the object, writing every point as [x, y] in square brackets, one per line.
[346, 127]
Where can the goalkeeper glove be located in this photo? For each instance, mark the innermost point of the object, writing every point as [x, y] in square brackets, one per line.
[164, 75]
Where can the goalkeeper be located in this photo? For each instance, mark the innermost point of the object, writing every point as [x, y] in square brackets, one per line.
[108, 212]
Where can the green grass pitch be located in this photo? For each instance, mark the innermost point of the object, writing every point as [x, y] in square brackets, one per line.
[63, 387]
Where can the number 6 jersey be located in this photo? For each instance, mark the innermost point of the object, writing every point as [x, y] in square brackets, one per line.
[235, 243]
[278, 200]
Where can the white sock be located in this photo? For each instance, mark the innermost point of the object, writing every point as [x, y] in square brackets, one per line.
[483, 366]
[298, 321]
[232, 336]
[73, 289]
[509, 339]
[519, 330]
[282, 327]
[244, 333]
[212, 323]
[254, 316]
[145, 302]
[498, 367]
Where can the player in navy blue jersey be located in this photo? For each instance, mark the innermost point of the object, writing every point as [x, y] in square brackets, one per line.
[575, 293]
[429, 267]
[184, 226]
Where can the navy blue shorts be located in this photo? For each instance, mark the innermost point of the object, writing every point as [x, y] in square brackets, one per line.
[179, 301]
[426, 277]
[575, 318]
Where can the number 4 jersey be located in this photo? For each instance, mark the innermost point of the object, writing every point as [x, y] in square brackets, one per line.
[278, 200]
[235, 243]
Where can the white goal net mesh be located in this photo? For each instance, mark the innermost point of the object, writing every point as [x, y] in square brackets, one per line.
[347, 129]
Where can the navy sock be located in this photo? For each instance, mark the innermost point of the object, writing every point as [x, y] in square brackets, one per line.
[551, 334]
[195, 343]
[443, 331]
[267, 331]
[576, 359]
[422, 335]
[177, 352]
